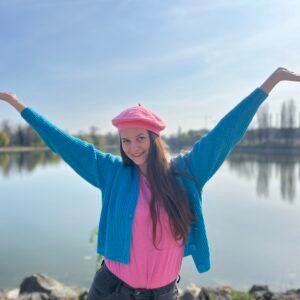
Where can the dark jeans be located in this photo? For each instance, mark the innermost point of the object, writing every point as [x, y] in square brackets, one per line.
[109, 287]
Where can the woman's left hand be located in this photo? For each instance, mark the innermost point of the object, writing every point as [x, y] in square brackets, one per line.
[282, 74]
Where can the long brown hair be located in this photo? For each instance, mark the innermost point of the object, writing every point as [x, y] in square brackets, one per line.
[165, 190]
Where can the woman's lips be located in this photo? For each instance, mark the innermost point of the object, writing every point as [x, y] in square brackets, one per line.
[136, 156]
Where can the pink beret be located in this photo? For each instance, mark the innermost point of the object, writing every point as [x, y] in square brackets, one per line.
[139, 117]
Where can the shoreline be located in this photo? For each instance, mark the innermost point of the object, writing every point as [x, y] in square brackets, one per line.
[256, 149]
[33, 149]
[267, 149]
[22, 149]
[40, 286]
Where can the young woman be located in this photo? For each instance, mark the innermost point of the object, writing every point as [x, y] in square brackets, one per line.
[151, 213]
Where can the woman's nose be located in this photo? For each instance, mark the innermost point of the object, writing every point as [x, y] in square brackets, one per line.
[134, 147]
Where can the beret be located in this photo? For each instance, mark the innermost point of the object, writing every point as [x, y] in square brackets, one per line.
[139, 117]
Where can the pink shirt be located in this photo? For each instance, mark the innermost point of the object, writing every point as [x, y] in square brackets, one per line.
[149, 267]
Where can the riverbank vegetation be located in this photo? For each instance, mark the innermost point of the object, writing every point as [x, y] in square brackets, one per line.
[284, 132]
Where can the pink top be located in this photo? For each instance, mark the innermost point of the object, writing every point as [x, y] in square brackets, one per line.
[148, 267]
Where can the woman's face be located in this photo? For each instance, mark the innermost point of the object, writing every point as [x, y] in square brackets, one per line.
[136, 144]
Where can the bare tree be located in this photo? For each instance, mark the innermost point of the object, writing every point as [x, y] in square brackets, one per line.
[264, 123]
[93, 134]
[291, 114]
[283, 115]
[288, 120]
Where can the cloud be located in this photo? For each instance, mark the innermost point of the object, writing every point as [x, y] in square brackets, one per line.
[202, 56]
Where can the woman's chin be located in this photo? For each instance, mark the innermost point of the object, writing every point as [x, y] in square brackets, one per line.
[139, 162]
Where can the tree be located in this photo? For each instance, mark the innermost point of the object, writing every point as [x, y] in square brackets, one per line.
[264, 123]
[288, 120]
[291, 114]
[283, 115]
[4, 139]
[5, 126]
[93, 133]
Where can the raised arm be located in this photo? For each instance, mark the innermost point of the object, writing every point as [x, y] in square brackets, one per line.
[93, 165]
[208, 154]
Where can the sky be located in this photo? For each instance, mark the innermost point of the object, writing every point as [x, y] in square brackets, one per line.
[79, 63]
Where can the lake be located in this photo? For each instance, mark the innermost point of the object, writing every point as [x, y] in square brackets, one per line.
[49, 215]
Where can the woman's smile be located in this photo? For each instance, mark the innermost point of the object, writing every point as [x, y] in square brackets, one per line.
[137, 155]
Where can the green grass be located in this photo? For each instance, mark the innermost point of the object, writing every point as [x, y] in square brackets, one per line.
[235, 295]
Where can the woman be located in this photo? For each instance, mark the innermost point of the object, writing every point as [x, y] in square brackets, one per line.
[143, 191]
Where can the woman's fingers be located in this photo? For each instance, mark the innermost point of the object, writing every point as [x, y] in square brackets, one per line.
[8, 96]
[285, 74]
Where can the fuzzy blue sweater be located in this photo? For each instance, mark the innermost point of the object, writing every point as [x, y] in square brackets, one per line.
[119, 182]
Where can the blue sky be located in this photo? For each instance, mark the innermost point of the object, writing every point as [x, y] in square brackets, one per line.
[79, 63]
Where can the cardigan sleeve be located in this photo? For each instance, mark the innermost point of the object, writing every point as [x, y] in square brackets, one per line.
[90, 163]
[208, 153]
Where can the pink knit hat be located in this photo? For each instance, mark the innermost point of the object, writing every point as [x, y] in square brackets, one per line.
[139, 117]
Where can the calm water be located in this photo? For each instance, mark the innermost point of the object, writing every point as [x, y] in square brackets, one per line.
[48, 216]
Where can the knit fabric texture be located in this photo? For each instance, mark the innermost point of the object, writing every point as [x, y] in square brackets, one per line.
[149, 267]
[119, 182]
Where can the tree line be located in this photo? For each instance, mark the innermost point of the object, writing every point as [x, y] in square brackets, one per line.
[285, 131]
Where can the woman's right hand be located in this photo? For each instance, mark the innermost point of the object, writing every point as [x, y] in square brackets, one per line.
[8, 97]
[12, 99]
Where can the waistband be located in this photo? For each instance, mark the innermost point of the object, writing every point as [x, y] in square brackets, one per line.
[125, 288]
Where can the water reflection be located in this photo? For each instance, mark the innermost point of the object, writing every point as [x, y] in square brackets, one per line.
[76, 228]
[18, 162]
[262, 167]
[259, 167]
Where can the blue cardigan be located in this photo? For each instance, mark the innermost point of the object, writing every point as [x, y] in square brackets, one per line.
[119, 182]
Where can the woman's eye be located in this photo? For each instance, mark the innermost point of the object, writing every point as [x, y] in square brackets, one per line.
[141, 138]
